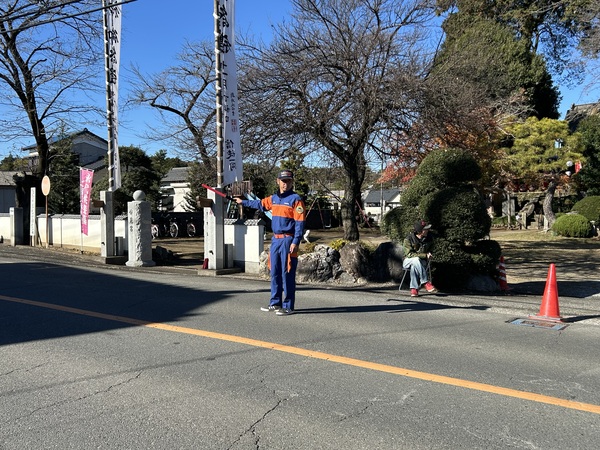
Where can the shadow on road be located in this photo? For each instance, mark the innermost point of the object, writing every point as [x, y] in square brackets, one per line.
[575, 289]
[68, 287]
[403, 306]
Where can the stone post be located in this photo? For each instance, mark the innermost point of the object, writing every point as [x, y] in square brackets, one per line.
[214, 247]
[107, 225]
[16, 226]
[139, 221]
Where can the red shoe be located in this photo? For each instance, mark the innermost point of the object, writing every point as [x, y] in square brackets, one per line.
[414, 293]
[430, 288]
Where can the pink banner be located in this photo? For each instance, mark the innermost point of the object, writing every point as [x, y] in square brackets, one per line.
[85, 188]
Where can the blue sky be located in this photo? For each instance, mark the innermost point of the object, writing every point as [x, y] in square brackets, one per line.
[154, 31]
[153, 34]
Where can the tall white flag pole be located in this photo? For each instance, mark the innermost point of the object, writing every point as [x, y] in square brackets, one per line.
[218, 12]
[229, 152]
[112, 53]
[214, 216]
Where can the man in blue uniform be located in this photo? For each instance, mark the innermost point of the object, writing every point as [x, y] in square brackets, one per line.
[289, 212]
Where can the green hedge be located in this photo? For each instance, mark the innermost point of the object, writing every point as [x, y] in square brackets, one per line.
[502, 221]
[390, 225]
[589, 207]
[572, 225]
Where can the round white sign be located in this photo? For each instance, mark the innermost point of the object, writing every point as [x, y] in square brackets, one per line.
[45, 185]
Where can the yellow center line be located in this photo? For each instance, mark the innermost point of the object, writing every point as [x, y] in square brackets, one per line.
[482, 387]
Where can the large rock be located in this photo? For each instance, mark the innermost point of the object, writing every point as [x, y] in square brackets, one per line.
[383, 265]
[386, 263]
[352, 264]
[481, 283]
[322, 265]
[355, 261]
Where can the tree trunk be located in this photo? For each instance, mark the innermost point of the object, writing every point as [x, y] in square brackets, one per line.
[349, 222]
[350, 204]
[548, 213]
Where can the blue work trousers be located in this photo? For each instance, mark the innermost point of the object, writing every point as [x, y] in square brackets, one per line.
[282, 279]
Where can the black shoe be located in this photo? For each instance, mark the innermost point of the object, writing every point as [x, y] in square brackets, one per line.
[284, 312]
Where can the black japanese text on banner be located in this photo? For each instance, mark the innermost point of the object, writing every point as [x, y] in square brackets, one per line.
[112, 49]
[232, 152]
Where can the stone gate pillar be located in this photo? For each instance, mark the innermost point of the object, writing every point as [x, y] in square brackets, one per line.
[139, 222]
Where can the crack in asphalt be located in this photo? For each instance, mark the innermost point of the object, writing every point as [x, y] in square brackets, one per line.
[73, 400]
[252, 428]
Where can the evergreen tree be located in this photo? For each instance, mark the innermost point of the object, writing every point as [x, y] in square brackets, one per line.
[137, 173]
[198, 174]
[588, 177]
[493, 66]
[550, 28]
[63, 171]
[162, 164]
[13, 163]
[537, 150]
[537, 155]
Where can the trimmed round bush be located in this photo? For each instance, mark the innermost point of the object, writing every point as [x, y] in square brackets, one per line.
[449, 167]
[390, 224]
[451, 265]
[589, 207]
[458, 213]
[443, 193]
[572, 225]
[485, 255]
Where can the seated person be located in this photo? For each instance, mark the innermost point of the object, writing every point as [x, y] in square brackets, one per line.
[416, 247]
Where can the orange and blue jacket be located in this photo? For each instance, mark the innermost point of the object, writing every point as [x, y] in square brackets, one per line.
[288, 213]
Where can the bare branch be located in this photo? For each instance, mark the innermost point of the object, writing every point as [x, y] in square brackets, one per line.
[44, 67]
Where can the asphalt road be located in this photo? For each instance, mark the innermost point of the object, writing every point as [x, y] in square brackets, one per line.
[112, 357]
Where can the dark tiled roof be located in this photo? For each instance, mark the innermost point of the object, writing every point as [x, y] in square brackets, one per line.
[579, 112]
[374, 195]
[176, 175]
[55, 139]
[6, 177]
[96, 165]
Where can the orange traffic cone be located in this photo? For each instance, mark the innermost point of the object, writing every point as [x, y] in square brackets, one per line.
[502, 275]
[549, 308]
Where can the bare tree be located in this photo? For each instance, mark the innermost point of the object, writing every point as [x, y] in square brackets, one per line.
[590, 42]
[184, 96]
[49, 52]
[341, 76]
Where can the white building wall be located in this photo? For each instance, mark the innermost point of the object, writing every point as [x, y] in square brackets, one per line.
[179, 192]
[5, 226]
[65, 231]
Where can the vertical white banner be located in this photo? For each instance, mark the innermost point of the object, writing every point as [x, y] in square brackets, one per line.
[32, 215]
[112, 49]
[86, 176]
[232, 151]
